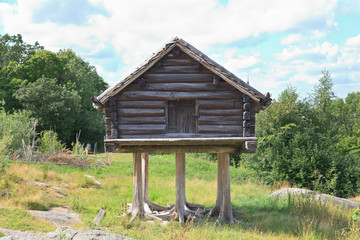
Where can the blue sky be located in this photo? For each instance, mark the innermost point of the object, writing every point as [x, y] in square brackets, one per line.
[274, 43]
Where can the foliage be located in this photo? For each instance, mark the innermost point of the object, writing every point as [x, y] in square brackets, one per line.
[304, 141]
[24, 70]
[15, 128]
[48, 143]
[53, 105]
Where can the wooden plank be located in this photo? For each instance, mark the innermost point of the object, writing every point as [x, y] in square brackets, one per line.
[177, 62]
[140, 104]
[184, 141]
[178, 69]
[149, 127]
[220, 103]
[219, 122]
[136, 131]
[217, 118]
[220, 112]
[220, 129]
[179, 149]
[180, 87]
[142, 120]
[167, 78]
[181, 116]
[156, 95]
[178, 135]
[130, 112]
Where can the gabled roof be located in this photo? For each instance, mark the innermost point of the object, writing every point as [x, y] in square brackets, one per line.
[197, 55]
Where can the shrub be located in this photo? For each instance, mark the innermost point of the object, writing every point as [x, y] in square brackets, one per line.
[48, 143]
[15, 129]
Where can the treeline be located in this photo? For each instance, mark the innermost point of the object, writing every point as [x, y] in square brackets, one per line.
[311, 143]
[54, 88]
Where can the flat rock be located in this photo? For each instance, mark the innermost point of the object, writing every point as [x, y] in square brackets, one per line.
[17, 234]
[62, 233]
[59, 216]
[324, 198]
[71, 233]
[35, 183]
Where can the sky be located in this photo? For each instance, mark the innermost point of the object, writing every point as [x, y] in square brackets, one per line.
[272, 44]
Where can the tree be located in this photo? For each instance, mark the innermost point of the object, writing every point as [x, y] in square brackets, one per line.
[13, 52]
[53, 105]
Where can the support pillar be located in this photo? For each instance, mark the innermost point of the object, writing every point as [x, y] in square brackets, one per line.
[180, 186]
[226, 210]
[137, 208]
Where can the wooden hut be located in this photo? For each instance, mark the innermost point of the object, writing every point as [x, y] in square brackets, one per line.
[179, 100]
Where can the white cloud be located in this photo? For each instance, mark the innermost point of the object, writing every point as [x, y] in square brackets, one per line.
[292, 38]
[311, 52]
[242, 62]
[353, 42]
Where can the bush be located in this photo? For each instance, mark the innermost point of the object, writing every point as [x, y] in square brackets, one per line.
[15, 129]
[48, 143]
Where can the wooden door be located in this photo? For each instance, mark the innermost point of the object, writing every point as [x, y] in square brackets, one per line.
[181, 116]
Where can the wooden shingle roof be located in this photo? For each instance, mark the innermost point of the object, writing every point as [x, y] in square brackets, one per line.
[217, 69]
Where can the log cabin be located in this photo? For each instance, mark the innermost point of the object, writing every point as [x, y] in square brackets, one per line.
[179, 100]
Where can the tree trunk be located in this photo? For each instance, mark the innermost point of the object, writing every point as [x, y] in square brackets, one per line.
[180, 186]
[137, 208]
[145, 175]
[226, 211]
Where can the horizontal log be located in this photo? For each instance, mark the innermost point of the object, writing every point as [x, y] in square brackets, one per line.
[141, 131]
[141, 95]
[220, 112]
[219, 122]
[140, 104]
[178, 69]
[176, 149]
[166, 78]
[130, 112]
[220, 103]
[181, 87]
[219, 129]
[142, 120]
[142, 127]
[223, 118]
[180, 135]
[177, 62]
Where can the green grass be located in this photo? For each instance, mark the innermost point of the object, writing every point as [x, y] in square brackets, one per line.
[21, 220]
[272, 219]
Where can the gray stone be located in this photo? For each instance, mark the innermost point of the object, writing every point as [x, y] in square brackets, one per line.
[60, 216]
[35, 183]
[65, 233]
[71, 233]
[93, 178]
[99, 217]
[324, 198]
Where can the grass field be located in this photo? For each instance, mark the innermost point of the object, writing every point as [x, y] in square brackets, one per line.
[291, 218]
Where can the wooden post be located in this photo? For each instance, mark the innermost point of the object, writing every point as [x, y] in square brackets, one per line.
[180, 186]
[138, 198]
[145, 175]
[219, 195]
[227, 213]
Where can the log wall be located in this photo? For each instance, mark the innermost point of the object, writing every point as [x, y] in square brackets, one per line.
[142, 107]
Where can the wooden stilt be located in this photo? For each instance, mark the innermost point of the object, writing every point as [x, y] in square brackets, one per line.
[217, 209]
[148, 205]
[226, 209]
[180, 186]
[137, 208]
